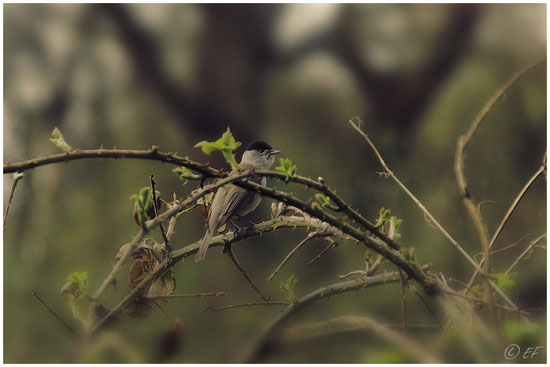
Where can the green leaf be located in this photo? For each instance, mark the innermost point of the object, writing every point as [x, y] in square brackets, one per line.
[226, 145]
[323, 200]
[186, 174]
[369, 258]
[395, 223]
[75, 289]
[502, 280]
[143, 204]
[382, 217]
[57, 139]
[286, 167]
[476, 291]
[288, 287]
[409, 254]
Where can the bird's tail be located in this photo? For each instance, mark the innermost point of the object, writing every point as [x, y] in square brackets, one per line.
[201, 254]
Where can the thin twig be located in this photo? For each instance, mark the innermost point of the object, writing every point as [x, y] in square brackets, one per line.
[403, 301]
[190, 295]
[155, 206]
[375, 266]
[471, 207]
[505, 248]
[16, 178]
[410, 194]
[239, 305]
[428, 214]
[231, 255]
[510, 210]
[428, 307]
[525, 252]
[482, 301]
[52, 312]
[164, 312]
[325, 250]
[287, 257]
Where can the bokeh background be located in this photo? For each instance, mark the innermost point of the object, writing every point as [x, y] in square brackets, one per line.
[133, 76]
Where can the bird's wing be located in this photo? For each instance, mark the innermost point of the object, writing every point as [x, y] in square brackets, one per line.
[228, 201]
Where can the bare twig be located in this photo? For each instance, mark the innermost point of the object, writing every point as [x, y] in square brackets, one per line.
[229, 252]
[164, 312]
[482, 301]
[155, 206]
[52, 312]
[429, 215]
[471, 207]
[509, 212]
[325, 250]
[240, 305]
[324, 292]
[372, 269]
[16, 178]
[465, 139]
[505, 248]
[525, 252]
[403, 301]
[411, 195]
[428, 307]
[280, 266]
[190, 295]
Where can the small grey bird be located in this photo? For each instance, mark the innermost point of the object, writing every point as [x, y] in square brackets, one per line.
[230, 199]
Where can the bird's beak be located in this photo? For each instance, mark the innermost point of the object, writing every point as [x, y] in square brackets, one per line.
[274, 152]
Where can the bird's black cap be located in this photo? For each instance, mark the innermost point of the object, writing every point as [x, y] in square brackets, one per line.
[258, 145]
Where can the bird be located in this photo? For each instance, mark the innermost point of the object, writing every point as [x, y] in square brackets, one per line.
[233, 200]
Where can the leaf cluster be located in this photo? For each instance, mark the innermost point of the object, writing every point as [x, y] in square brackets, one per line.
[226, 145]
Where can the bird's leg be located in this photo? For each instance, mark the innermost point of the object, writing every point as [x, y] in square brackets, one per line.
[235, 224]
[251, 223]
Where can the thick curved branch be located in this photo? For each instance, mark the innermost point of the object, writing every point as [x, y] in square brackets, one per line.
[204, 169]
[151, 154]
[338, 288]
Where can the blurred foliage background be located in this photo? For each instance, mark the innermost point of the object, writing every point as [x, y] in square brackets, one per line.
[133, 76]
